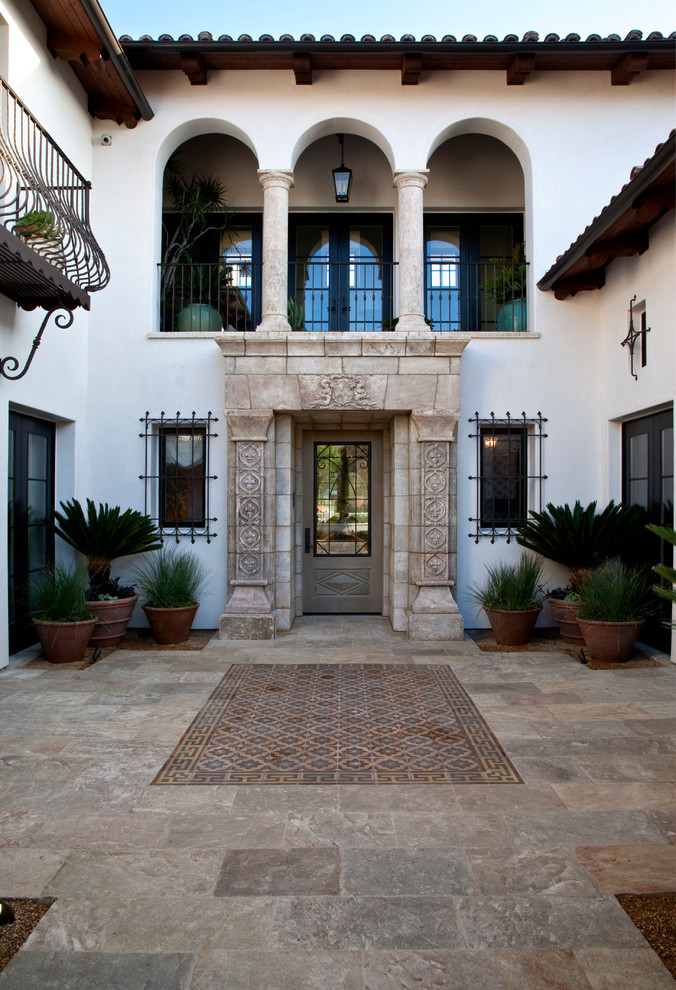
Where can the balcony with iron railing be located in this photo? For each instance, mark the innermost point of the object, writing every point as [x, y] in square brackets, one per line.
[48, 254]
[352, 296]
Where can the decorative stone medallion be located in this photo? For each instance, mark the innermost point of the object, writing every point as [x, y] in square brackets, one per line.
[343, 392]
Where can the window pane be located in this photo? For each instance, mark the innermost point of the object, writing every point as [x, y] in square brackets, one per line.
[503, 481]
[182, 482]
[442, 253]
[342, 499]
[638, 456]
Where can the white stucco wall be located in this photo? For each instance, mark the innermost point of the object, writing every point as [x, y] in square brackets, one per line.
[55, 387]
[557, 162]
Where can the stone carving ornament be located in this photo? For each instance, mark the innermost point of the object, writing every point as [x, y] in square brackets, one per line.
[343, 392]
[249, 494]
[435, 510]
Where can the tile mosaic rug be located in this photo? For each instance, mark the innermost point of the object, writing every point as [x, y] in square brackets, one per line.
[338, 724]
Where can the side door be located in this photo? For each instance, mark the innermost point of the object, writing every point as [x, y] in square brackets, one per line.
[30, 500]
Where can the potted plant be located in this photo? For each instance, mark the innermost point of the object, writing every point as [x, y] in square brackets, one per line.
[171, 583]
[102, 535]
[613, 610]
[665, 571]
[512, 598]
[506, 287]
[38, 224]
[579, 538]
[60, 614]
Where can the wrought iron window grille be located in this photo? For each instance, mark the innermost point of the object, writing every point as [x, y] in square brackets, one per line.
[177, 474]
[509, 478]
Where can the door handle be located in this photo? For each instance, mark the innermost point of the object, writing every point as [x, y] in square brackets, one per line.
[307, 540]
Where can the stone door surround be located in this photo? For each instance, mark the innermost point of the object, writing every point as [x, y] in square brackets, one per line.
[407, 385]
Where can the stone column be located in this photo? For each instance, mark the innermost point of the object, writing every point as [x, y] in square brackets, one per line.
[410, 186]
[249, 614]
[276, 185]
[434, 612]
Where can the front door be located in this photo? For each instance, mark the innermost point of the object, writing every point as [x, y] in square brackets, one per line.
[342, 523]
[30, 501]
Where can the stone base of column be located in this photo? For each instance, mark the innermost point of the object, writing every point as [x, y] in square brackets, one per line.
[248, 614]
[274, 323]
[434, 614]
[412, 323]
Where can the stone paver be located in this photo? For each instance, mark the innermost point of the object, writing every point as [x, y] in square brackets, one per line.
[349, 887]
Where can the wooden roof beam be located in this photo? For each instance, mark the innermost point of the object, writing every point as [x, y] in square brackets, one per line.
[627, 69]
[410, 70]
[72, 48]
[594, 279]
[520, 68]
[195, 69]
[302, 70]
[604, 252]
[121, 113]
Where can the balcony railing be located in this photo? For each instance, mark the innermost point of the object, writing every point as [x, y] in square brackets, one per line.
[209, 297]
[44, 202]
[352, 296]
[476, 297]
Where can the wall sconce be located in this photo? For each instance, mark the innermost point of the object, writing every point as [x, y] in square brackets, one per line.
[342, 177]
[633, 335]
[490, 441]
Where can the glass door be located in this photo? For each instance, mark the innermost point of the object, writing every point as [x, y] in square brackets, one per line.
[648, 480]
[341, 273]
[30, 500]
[342, 524]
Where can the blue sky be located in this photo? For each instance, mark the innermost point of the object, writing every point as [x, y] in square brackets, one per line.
[397, 17]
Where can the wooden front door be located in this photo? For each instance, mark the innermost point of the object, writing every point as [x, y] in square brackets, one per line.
[342, 523]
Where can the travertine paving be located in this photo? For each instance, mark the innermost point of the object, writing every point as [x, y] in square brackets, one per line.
[330, 887]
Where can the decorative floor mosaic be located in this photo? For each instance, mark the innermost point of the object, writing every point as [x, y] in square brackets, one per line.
[340, 724]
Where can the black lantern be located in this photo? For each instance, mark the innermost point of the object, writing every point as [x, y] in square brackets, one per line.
[342, 177]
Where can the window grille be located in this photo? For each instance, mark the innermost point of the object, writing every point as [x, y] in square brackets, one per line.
[509, 478]
[176, 474]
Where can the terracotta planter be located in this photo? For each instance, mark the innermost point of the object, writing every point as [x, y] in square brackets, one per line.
[64, 642]
[512, 628]
[171, 625]
[612, 642]
[113, 619]
[565, 616]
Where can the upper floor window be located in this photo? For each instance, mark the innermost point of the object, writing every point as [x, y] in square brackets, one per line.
[475, 280]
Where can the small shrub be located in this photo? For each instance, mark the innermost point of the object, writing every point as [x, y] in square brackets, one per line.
[515, 587]
[614, 592]
[58, 595]
[171, 579]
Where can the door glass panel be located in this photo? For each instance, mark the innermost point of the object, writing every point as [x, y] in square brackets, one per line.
[442, 277]
[313, 277]
[638, 456]
[342, 514]
[236, 302]
[365, 279]
[37, 457]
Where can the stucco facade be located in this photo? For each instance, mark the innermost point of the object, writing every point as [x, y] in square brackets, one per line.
[460, 143]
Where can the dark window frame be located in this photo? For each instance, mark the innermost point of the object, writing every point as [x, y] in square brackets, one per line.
[157, 429]
[527, 481]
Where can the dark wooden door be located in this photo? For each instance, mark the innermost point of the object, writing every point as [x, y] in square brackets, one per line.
[30, 500]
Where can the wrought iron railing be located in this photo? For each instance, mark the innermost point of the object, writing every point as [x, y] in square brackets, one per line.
[343, 296]
[476, 297]
[209, 297]
[44, 200]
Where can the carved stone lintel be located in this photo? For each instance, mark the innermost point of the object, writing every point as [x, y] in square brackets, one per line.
[343, 392]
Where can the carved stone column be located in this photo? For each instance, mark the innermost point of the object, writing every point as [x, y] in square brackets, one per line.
[434, 612]
[249, 613]
[410, 186]
[276, 185]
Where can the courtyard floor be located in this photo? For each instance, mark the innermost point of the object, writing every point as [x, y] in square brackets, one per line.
[359, 886]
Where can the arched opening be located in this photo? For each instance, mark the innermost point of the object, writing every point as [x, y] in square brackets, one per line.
[475, 263]
[340, 254]
[211, 237]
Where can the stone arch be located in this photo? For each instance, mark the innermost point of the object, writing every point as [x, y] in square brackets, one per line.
[491, 128]
[342, 125]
